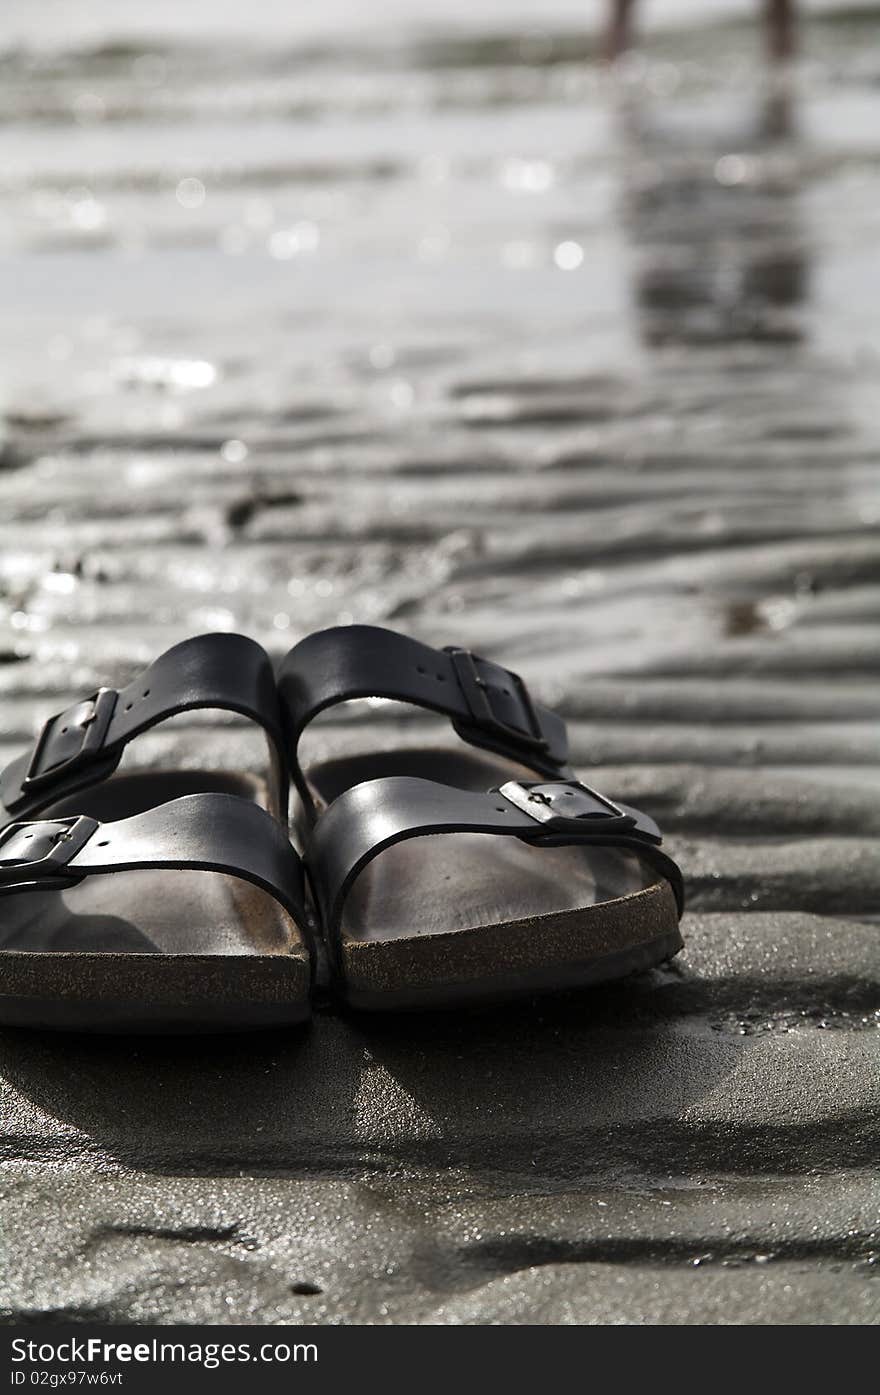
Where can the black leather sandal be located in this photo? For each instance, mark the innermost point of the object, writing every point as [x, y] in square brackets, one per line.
[534, 885]
[80, 945]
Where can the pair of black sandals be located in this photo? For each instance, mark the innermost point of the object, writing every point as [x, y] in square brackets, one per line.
[428, 877]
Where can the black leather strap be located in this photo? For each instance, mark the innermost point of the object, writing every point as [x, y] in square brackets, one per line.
[488, 705]
[370, 817]
[84, 744]
[200, 832]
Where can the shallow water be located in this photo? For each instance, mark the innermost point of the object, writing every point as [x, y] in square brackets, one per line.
[429, 321]
[438, 323]
[425, 320]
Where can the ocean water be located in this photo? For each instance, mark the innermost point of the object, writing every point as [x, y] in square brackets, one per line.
[414, 314]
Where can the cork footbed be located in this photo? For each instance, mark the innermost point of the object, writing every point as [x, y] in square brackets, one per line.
[151, 950]
[474, 916]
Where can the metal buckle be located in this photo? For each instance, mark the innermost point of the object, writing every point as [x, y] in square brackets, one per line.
[56, 841]
[476, 695]
[544, 802]
[91, 716]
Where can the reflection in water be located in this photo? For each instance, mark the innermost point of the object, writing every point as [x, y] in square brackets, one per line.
[714, 217]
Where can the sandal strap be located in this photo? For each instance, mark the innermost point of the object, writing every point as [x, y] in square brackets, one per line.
[83, 744]
[200, 832]
[370, 817]
[489, 706]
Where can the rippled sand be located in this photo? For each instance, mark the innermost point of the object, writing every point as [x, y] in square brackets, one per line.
[432, 323]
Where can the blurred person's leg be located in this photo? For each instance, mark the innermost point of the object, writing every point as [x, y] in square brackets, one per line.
[618, 36]
[779, 24]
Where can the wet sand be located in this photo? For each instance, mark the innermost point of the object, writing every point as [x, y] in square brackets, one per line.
[436, 326]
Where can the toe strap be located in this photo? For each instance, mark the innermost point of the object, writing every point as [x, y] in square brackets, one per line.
[488, 706]
[199, 832]
[371, 817]
[84, 744]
